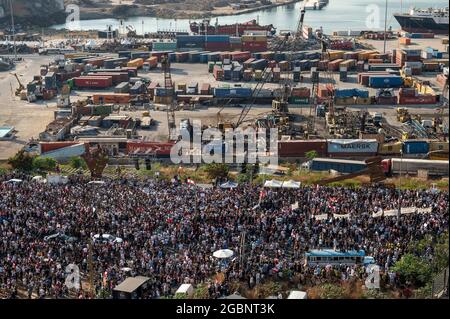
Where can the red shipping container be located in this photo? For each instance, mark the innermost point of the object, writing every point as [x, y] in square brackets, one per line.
[235, 46]
[334, 65]
[240, 56]
[157, 148]
[409, 92]
[254, 46]
[419, 99]
[384, 100]
[93, 82]
[112, 98]
[225, 55]
[117, 77]
[301, 147]
[217, 46]
[205, 89]
[53, 146]
[301, 92]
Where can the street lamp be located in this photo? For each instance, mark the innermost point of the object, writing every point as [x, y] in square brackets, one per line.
[385, 25]
[400, 185]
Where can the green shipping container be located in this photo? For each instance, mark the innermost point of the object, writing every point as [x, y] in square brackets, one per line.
[70, 83]
[298, 100]
[103, 109]
[211, 66]
[164, 46]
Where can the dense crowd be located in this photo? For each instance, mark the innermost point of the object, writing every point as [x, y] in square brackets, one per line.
[170, 231]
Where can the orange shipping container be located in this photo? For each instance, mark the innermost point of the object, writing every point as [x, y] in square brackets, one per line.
[405, 41]
[136, 63]
[114, 98]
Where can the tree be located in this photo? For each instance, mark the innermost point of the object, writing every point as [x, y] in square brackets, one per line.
[21, 161]
[77, 163]
[44, 163]
[310, 155]
[413, 269]
[215, 170]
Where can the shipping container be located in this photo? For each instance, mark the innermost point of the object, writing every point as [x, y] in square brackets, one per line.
[412, 166]
[436, 146]
[137, 88]
[337, 147]
[161, 150]
[385, 81]
[93, 82]
[111, 98]
[299, 148]
[233, 92]
[123, 87]
[390, 148]
[339, 165]
[418, 99]
[415, 147]
[205, 89]
[117, 77]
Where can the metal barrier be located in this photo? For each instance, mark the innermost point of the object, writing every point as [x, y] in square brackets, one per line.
[440, 285]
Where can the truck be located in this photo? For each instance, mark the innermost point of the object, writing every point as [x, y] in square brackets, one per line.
[395, 166]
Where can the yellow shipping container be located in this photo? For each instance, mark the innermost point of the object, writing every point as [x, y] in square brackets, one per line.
[445, 41]
[365, 55]
[181, 86]
[335, 55]
[363, 101]
[344, 101]
[438, 146]
[254, 38]
[137, 63]
[74, 55]
[390, 149]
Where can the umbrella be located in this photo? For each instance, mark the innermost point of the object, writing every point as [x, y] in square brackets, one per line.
[223, 253]
[229, 184]
[291, 184]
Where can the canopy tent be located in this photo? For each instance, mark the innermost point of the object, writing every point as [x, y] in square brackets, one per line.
[273, 184]
[291, 184]
[229, 184]
[223, 253]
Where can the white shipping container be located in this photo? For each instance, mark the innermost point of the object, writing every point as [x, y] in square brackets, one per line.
[66, 152]
[352, 146]
[412, 166]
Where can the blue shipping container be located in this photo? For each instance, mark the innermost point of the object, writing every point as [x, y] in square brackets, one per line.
[361, 93]
[232, 92]
[339, 166]
[141, 55]
[415, 147]
[340, 93]
[125, 54]
[217, 39]
[382, 81]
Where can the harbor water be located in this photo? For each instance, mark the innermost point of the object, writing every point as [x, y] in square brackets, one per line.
[338, 15]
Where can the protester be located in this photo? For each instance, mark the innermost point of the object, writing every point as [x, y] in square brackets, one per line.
[170, 231]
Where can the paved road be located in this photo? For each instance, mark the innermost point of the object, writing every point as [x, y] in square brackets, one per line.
[28, 119]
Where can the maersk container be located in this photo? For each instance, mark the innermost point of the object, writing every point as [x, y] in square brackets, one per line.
[339, 165]
[415, 147]
[352, 146]
[385, 81]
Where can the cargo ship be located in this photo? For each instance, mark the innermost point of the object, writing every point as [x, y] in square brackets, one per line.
[424, 20]
[237, 29]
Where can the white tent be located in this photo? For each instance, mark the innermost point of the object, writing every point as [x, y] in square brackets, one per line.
[223, 253]
[273, 184]
[186, 289]
[229, 184]
[291, 184]
[297, 294]
[91, 44]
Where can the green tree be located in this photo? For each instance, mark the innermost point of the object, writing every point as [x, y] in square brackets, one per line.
[44, 163]
[215, 170]
[77, 162]
[21, 161]
[331, 291]
[310, 155]
[414, 270]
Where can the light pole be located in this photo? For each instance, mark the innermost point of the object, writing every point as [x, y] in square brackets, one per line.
[400, 185]
[13, 28]
[385, 26]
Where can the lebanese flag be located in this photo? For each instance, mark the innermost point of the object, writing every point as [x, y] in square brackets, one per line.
[262, 194]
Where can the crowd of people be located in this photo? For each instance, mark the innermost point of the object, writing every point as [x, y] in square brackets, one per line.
[169, 232]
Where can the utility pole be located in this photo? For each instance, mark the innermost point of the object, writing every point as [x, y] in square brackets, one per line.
[385, 26]
[400, 186]
[13, 28]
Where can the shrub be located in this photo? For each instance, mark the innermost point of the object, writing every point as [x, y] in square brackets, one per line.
[44, 163]
[21, 161]
[215, 170]
[77, 163]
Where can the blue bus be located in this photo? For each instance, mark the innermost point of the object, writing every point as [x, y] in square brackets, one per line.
[323, 257]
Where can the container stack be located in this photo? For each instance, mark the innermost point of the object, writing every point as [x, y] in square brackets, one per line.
[254, 43]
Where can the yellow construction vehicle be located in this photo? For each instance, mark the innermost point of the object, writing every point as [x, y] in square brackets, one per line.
[21, 87]
[403, 115]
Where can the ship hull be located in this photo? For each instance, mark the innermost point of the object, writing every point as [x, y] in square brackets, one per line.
[232, 30]
[421, 25]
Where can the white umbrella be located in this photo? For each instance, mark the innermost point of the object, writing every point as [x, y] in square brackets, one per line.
[223, 253]
[291, 184]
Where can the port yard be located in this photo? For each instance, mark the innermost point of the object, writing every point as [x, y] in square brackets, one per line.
[137, 103]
